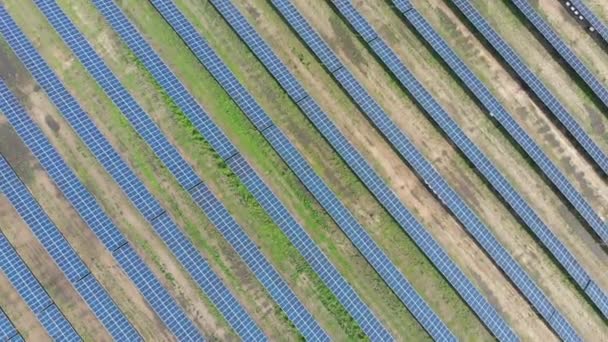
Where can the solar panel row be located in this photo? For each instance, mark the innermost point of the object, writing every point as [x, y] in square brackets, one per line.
[252, 181]
[8, 332]
[500, 184]
[59, 248]
[345, 220]
[519, 135]
[302, 169]
[188, 179]
[22, 279]
[539, 89]
[563, 50]
[445, 193]
[185, 251]
[381, 120]
[588, 14]
[84, 203]
[558, 110]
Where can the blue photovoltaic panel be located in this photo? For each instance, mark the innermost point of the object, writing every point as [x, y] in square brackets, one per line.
[84, 203]
[296, 162]
[242, 169]
[8, 332]
[562, 48]
[483, 164]
[59, 329]
[28, 287]
[112, 87]
[444, 192]
[57, 246]
[326, 198]
[521, 137]
[597, 24]
[469, 293]
[216, 138]
[164, 225]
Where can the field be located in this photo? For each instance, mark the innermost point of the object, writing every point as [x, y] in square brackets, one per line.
[324, 306]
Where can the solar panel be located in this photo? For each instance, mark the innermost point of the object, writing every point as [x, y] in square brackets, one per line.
[220, 143]
[27, 286]
[8, 332]
[188, 179]
[568, 56]
[465, 215]
[60, 250]
[298, 164]
[84, 203]
[520, 136]
[474, 299]
[588, 15]
[243, 170]
[500, 184]
[59, 329]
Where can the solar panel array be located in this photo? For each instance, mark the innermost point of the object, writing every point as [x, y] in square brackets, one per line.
[588, 14]
[563, 50]
[303, 170]
[484, 165]
[85, 204]
[188, 179]
[440, 187]
[252, 181]
[535, 85]
[186, 252]
[518, 134]
[59, 248]
[8, 332]
[381, 120]
[22, 279]
[328, 200]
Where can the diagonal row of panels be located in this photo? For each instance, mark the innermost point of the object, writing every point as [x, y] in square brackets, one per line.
[185, 252]
[494, 177]
[252, 181]
[82, 200]
[303, 171]
[346, 221]
[465, 215]
[341, 215]
[380, 119]
[588, 14]
[535, 85]
[64, 256]
[520, 136]
[188, 179]
[567, 55]
[534, 151]
[8, 332]
[18, 273]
